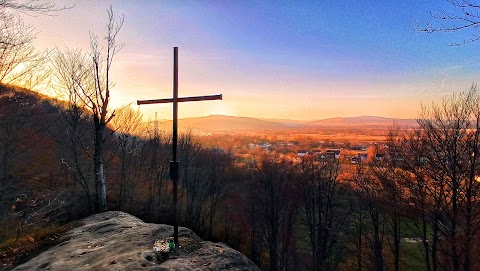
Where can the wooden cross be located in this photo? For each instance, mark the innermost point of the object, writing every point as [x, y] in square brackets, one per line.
[174, 164]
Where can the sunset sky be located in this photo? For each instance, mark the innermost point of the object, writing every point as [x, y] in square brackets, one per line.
[303, 60]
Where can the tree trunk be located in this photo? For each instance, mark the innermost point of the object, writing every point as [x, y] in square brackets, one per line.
[435, 241]
[396, 237]
[5, 161]
[123, 177]
[426, 247]
[453, 229]
[377, 242]
[100, 188]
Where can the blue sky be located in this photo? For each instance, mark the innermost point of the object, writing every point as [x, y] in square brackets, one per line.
[276, 59]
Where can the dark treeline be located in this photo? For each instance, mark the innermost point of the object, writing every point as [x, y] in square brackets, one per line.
[415, 209]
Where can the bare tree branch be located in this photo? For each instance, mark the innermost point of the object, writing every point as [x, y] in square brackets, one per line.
[466, 16]
[31, 7]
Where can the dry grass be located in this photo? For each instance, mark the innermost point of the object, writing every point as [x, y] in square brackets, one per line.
[18, 250]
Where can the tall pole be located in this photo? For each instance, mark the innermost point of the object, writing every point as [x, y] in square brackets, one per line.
[174, 163]
[175, 102]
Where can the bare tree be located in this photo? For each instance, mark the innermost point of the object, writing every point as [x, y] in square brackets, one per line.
[20, 63]
[127, 125]
[156, 152]
[71, 69]
[90, 84]
[448, 155]
[98, 101]
[425, 196]
[216, 186]
[192, 175]
[30, 6]
[442, 156]
[324, 214]
[464, 17]
[251, 224]
[34, 209]
[368, 196]
[391, 178]
[277, 207]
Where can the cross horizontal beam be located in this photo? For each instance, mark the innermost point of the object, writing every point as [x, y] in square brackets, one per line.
[181, 99]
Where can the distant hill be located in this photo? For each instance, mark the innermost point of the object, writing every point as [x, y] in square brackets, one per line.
[365, 121]
[288, 122]
[34, 133]
[220, 122]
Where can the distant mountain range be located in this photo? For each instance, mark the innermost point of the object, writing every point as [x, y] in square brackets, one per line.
[220, 123]
[225, 123]
[366, 120]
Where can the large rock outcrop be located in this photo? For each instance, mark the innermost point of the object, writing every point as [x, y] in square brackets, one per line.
[119, 241]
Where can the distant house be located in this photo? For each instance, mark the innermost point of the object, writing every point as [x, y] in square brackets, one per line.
[302, 153]
[355, 160]
[252, 145]
[333, 154]
[362, 157]
[358, 148]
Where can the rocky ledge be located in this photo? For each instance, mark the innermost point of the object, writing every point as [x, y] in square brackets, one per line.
[119, 241]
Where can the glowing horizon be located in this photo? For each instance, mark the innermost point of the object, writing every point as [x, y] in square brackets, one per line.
[300, 61]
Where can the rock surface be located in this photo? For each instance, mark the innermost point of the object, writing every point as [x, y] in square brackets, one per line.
[119, 241]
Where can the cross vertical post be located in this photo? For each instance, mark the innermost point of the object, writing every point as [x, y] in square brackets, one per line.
[175, 164]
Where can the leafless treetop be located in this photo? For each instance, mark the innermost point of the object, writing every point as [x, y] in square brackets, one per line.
[465, 15]
[31, 7]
